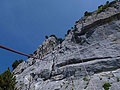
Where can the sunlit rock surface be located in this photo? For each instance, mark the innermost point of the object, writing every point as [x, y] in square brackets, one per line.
[88, 57]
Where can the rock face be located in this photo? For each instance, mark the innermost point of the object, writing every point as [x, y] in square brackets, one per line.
[87, 59]
[47, 46]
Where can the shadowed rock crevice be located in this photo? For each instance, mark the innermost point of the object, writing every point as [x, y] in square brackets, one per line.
[87, 30]
[99, 23]
[94, 67]
[76, 61]
[52, 67]
[80, 37]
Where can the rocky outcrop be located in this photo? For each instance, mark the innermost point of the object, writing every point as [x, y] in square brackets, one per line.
[88, 57]
[47, 46]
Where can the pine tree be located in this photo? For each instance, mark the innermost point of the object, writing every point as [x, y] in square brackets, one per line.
[7, 81]
[16, 63]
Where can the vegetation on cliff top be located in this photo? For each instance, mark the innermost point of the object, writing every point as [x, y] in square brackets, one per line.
[16, 63]
[101, 8]
[59, 40]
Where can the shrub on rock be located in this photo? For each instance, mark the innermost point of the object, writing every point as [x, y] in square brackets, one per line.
[16, 63]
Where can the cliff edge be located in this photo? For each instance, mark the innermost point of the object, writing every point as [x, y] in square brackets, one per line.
[87, 59]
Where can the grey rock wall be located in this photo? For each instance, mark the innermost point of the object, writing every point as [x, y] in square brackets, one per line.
[88, 58]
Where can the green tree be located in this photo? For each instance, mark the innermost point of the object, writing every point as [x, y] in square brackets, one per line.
[46, 37]
[53, 36]
[20, 61]
[100, 9]
[60, 40]
[7, 81]
[106, 86]
[16, 63]
[87, 13]
[68, 32]
[106, 5]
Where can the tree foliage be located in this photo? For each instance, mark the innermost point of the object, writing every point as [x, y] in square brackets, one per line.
[46, 37]
[87, 13]
[60, 40]
[53, 36]
[101, 8]
[16, 63]
[7, 81]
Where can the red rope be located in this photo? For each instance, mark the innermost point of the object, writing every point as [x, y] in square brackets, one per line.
[6, 48]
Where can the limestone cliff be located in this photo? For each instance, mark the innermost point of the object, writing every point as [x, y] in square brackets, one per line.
[87, 59]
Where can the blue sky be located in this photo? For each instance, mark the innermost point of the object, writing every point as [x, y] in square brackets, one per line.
[24, 23]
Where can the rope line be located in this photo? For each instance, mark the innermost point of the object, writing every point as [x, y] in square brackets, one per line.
[6, 48]
[82, 60]
[86, 69]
